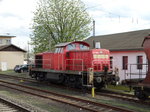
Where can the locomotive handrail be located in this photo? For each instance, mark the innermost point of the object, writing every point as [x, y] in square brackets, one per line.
[41, 64]
[73, 64]
[101, 61]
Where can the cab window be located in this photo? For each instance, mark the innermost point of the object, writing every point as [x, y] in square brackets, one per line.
[83, 47]
[56, 50]
[71, 47]
[59, 50]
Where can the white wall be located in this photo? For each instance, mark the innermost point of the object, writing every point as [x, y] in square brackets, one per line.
[5, 41]
[132, 59]
[11, 58]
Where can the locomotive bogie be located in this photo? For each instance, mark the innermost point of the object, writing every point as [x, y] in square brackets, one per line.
[72, 80]
[142, 92]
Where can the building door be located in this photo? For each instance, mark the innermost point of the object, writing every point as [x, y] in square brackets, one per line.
[3, 66]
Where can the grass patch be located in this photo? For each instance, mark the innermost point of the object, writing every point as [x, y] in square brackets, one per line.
[125, 105]
[13, 73]
[7, 72]
[120, 87]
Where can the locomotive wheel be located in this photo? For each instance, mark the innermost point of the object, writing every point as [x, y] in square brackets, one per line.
[61, 79]
[78, 82]
[140, 95]
[33, 75]
[99, 86]
[66, 82]
[70, 81]
[40, 77]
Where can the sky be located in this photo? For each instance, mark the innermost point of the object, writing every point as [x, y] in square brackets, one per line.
[110, 16]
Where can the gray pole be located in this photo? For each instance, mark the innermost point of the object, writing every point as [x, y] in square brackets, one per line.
[93, 28]
[28, 54]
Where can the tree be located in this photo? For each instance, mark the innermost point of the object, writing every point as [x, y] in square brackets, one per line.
[57, 21]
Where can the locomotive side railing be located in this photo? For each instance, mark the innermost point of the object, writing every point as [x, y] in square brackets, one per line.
[98, 65]
[39, 63]
[74, 64]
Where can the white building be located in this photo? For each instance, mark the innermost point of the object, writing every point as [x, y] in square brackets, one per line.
[127, 63]
[10, 55]
[126, 52]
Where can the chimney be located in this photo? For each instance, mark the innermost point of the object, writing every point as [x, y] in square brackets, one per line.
[97, 45]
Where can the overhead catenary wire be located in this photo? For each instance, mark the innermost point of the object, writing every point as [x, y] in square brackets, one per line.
[111, 15]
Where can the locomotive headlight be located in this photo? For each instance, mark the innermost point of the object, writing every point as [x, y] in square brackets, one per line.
[98, 79]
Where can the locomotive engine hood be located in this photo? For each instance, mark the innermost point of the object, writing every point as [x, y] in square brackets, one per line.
[101, 59]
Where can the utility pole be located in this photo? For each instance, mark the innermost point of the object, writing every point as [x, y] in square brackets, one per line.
[93, 33]
[28, 54]
[93, 28]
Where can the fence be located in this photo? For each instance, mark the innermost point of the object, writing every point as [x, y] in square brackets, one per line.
[136, 71]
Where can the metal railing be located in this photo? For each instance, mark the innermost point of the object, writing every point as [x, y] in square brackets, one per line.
[74, 64]
[71, 64]
[133, 72]
[98, 65]
[39, 63]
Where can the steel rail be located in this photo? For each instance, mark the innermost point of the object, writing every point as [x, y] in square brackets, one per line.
[12, 105]
[106, 93]
[84, 104]
[17, 77]
[123, 96]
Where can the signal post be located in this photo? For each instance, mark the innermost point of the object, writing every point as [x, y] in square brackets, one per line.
[90, 80]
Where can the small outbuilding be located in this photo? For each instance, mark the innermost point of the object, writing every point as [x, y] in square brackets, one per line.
[10, 55]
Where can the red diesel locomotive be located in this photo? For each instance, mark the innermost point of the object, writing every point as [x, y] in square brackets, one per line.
[75, 65]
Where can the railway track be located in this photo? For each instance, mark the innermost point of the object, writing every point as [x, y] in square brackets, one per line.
[17, 77]
[126, 97]
[9, 106]
[77, 102]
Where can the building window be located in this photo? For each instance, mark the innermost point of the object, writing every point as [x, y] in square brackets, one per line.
[8, 41]
[139, 62]
[111, 62]
[0, 41]
[125, 62]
